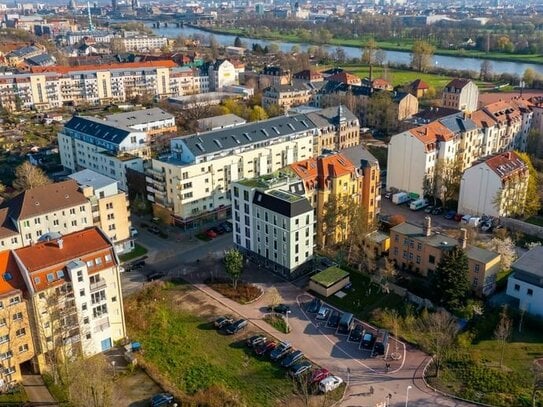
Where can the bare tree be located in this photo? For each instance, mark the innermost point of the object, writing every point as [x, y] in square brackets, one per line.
[440, 330]
[28, 176]
[275, 297]
[90, 382]
[503, 331]
[302, 388]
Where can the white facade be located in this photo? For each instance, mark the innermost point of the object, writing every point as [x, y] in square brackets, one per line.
[273, 225]
[143, 42]
[526, 282]
[221, 74]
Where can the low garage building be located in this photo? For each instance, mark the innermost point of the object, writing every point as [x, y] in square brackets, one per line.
[329, 281]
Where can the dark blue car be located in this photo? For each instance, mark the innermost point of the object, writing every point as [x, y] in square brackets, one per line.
[161, 399]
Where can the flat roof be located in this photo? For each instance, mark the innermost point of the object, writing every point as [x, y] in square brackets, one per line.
[330, 276]
[91, 178]
[144, 116]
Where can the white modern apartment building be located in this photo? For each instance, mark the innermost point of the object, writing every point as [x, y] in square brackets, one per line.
[496, 186]
[151, 121]
[196, 178]
[274, 223]
[143, 42]
[222, 73]
[104, 147]
[75, 294]
[526, 282]
[52, 87]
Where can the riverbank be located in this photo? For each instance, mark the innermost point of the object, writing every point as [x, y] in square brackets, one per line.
[385, 45]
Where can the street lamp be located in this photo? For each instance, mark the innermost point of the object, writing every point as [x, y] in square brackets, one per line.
[407, 395]
[286, 316]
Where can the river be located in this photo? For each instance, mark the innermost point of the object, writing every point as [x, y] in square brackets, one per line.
[396, 57]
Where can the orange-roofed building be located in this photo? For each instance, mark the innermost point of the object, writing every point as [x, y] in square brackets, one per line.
[75, 294]
[331, 183]
[495, 186]
[346, 78]
[418, 88]
[16, 344]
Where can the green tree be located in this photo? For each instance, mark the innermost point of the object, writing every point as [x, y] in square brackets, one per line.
[533, 201]
[233, 265]
[421, 55]
[28, 176]
[451, 281]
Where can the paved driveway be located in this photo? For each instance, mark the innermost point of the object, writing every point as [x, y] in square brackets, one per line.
[37, 392]
[369, 385]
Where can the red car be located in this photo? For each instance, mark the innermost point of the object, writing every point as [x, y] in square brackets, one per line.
[319, 374]
[265, 347]
[211, 234]
[458, 217]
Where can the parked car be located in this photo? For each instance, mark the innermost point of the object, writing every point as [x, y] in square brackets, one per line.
[154, 229]
[222, 322]
[450, 215]
[263, 348]
[335, 317]
[161, 399]
[330, 384]
[368, 340]
[458, 217]
[235, 327]
[292, 358]
[299, 368]
[319, 375]
[438, 210]
[314, 305]
[217, 230]
[155, 276]
[323, 313]
[227, 226]
[133, 231]
[280, 309]
[357, 333]
[255, 340]
[429, 209]
[138, 263]
[280, 351]
[388, 195]
[211, 233]
[155, 220]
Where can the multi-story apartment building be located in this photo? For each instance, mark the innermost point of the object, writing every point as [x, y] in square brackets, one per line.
[338, 128]
[16, 344]
[273, 76]
[152, 121]
[109, 206]
[196, 178]
[143, 42]
[222, 73]
[183, 81]
[495, 186]
[286, 96]
[331, 177]
[307, 76]
[75, 295]
[461, 94]
[54, 86]
[273, 223]
[102, 146]
[420, 250]
[65, 207]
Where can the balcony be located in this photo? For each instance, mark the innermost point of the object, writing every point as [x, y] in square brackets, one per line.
[101, 325]
[71, 339]
[98, 285]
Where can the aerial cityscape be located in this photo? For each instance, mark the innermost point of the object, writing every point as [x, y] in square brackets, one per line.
[271, 203]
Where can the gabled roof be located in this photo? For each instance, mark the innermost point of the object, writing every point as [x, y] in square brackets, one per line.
[360, 156]
[345, 77]
[44, 199]
[7, 228]
[331, 116]
[458, 83]
[318, 171]
[74, 246]
[107, 131]
[10, 275]
[483, 119]
[458, 123]
[308, 74]
[419, 84]
[340, 87]
[506, 164]
[432, 133]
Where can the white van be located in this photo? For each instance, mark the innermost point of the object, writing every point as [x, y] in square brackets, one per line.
[418, 204]
[330, 384]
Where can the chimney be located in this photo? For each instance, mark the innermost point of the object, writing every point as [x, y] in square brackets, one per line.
[60, 243]
[463, 240]
[427, 228]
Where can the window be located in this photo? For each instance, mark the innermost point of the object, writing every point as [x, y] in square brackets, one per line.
[109, 205]
[530, 292]
[517, 287]
[98, 297]
[110, 216]
[3, 322]
[82, 292]
[4, 338]
[99, 310]
[108, 258]
[60, 274]
[74, 223]
[84, 306]
[432, 259]
[90, 263]
[37, 280]
[82, 208]
[88, 336]
[50, 277]
[72, 211]
[20, 332]
[98, 261]
[14, 300]
[6, 355]
[55, 222]
[477, 268]
[18, 316]
[37, 221]
[86, 320]
[113, 299]
[23, 348]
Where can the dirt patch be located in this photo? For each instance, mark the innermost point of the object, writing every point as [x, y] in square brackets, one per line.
[243, 294]
[134, 390]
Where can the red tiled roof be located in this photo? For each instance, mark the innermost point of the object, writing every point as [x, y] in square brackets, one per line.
[74, 246]
[317, 171]
[13, 280]
[458, 83]
[431, 133]
[482, 119]
[506, 164]
[419, 84]
[105, 67]
[345, 77]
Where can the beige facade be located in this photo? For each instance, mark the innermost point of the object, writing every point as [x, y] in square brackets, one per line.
[286, 96]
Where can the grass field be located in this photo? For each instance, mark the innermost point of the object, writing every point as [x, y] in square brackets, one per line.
[195, 358]
[137, 252]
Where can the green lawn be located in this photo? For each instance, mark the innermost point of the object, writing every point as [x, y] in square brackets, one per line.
[535, 220]
[18, 397]
[195, 358]
[137, 252]
[364, 298]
